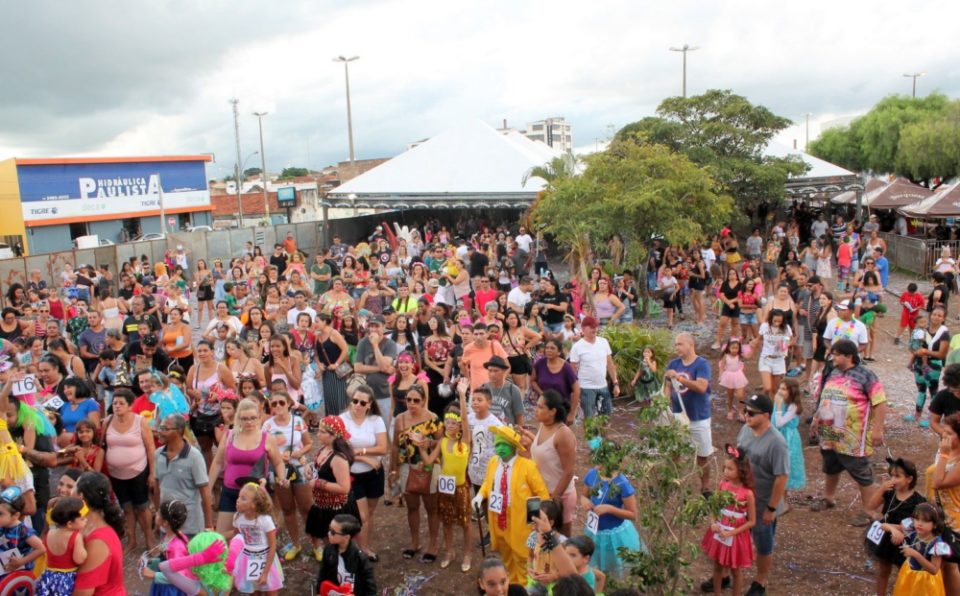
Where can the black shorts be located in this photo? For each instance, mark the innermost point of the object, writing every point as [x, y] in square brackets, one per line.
[520, 365]
[369, 484]
[228, 500]
[859, 468]
[134, 492]
[731, 313]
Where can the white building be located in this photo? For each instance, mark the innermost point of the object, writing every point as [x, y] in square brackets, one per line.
[555, 132]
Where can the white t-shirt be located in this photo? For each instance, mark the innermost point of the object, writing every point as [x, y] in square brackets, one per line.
[524, 241]
[293, 313]
[518, 297]
[853, 330]
[708, 256]
[363, 435]
[592, 358]
[481, 449]
[233, 322]
[296, 426]
[254, 531]
[774, 344]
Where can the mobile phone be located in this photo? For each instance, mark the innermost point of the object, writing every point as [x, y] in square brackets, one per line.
[533, 509]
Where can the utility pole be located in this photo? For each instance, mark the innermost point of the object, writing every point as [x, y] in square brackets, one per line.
[263, 167]
[915, 76]
[163, 221]
[686, 48]
[236, 132]
[806, 145]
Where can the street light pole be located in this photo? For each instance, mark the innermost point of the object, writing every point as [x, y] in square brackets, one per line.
[236, 133]
[915, 76]
[346, 76]
[686, 48]
[239, 173]
[263, 165]
[806, 145]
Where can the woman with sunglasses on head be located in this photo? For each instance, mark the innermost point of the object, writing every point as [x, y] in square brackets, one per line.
[414, 428]
[290, 433]
[368, 437]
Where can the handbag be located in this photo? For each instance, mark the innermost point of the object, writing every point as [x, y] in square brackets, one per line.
[418, 481]
[291, 471]
[343, 370]
[681, 417]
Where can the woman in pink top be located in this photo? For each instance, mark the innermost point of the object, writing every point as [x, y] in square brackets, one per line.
[243, 452]
[129, 463]
[554, 450]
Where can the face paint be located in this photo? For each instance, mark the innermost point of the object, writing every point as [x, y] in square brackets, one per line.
[503, 449]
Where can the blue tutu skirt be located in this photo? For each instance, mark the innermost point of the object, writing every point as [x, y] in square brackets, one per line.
[607, 542]
[159, 589]
[55, 583]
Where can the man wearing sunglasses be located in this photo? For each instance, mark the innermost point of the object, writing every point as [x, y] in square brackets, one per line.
[182, 475]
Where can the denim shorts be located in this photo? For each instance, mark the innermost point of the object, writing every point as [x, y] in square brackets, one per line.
[750, 319]
[763, 536]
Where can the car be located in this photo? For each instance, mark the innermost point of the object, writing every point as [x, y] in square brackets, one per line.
[150, 236]
[200, 229]
[100, 242]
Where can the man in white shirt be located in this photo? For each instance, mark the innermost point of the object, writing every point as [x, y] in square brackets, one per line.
[819, 227]
[901, 226]
[519, 297]
[299, 306]
[592, 358]
[523, 240]
[846, 327]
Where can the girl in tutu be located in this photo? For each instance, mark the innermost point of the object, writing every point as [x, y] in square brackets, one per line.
[728, 540]
[65, 548]
[787, 408]
[925, 550]
[611, 510]
[645, 381]
[257, 569]
[732, 377]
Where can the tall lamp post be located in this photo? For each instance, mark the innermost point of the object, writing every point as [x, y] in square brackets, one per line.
[239, 181]
[914, 76]
[686, 48]
[263, 165]
[346, 75]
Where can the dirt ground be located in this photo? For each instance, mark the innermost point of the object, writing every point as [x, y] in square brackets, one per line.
[816, 553]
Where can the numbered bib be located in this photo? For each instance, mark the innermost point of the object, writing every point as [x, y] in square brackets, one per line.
[724, 541]
[25, 386]
[593, 522]
[875, 533]
[54, 403]
[496, 503]
[256, 563]
[447, 485]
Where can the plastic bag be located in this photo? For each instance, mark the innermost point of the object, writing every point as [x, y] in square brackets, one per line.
[311, 389]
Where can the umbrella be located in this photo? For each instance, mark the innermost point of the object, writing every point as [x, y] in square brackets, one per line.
[898, 194]
[850, 197]
[943, 203]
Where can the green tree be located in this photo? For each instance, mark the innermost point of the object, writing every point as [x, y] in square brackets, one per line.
[911, 137]
[251, 172]
[563, 166]
[289, 173]
[726, 134]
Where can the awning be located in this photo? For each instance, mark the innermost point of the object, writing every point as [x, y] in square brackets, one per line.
[943, 203]
[898, 194]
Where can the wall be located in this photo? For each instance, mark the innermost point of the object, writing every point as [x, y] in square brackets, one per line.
[109, 230]
[49, 238]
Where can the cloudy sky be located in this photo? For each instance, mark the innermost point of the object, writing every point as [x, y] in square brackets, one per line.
[137, 77]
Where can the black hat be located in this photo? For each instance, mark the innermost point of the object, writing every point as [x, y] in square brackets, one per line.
[498, 362]
[758, 403]
[150, 339]
[376, 320]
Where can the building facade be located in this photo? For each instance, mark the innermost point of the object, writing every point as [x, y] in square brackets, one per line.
[555, 132]
[49, 203]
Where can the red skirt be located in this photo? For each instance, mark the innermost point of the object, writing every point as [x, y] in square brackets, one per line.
[739, 555]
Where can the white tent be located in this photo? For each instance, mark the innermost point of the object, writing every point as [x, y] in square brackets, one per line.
[470, 165]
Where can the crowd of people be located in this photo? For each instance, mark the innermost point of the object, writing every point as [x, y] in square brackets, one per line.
[243, 414]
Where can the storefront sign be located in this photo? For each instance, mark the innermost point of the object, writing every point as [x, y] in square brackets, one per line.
[80, 191]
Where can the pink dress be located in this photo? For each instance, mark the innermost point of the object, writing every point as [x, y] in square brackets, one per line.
[732, 376]
[737, 551]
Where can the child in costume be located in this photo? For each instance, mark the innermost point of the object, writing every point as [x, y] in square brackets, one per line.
[611, 506]
[66, 550]
[645, 381]
[787, 411]
[453, 499]
[170, 518]
[345, 568]
[257, 565]
[728, 541]
[12, 466]
[16, 535]
[205, 561]
[506, 509]
[732, 377]
[924, 550]
[896, 500]
[541, 570]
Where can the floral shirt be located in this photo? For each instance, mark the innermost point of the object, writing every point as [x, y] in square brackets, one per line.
[846, 409]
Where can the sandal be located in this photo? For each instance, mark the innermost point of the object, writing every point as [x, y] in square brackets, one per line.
[444, 563]
[409, 553]
[822, 505]
[428, 558]
[465, 566]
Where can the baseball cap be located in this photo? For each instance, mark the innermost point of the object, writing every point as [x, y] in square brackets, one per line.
[375, 320]
[434, 283]
[758, 403]
[843, 305]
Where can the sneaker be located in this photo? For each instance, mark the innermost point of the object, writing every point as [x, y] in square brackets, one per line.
[706, 586]
[318, 554]
[485, 541]
[756, 590]
[896, 341]
[290, 552]
[909, 418]
[924, 424]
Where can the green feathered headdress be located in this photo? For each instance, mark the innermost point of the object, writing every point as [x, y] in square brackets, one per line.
[27, 415]
[213, 575]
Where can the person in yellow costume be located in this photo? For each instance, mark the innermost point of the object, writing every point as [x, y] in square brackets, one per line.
[13, 470]
[511, 480]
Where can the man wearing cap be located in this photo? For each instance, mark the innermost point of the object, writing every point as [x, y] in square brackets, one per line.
[375, 355]
[846, 327]
[689, 376]
[849, 420]
[511, 479]
[505, 400]
[433, 287]
[592, 358]
[476, 355]
[770, 461]
[871, 226]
